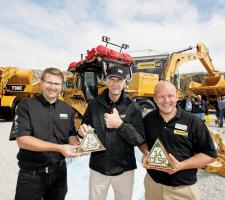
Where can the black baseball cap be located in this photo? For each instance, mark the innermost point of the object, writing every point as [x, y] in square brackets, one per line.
[118, 71]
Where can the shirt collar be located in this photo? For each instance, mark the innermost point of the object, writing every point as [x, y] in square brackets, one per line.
[45, 102]
[109, 101]
[178, 113]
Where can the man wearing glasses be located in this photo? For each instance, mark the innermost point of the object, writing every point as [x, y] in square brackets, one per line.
[45, 133]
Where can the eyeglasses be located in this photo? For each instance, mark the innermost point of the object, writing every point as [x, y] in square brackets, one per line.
[49, 83]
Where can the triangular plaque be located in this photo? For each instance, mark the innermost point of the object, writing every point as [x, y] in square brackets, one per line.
[158, 157]
[90, 143]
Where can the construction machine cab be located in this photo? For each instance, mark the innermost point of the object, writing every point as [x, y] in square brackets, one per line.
[89, 77]
[90, 74]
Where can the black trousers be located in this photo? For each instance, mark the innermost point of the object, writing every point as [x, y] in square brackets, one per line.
[42, 184]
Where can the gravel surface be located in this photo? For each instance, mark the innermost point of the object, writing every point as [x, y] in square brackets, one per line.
[212, 186]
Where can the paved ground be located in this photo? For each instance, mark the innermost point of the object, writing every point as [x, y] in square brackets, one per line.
[211, 185]
[8, 164]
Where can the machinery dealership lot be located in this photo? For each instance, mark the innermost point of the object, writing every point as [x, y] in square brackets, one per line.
[211, 185]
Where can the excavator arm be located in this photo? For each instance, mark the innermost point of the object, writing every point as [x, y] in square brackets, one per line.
[178, 58]
[203, 56]
[175, 60]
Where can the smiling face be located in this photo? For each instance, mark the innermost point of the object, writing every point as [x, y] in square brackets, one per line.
[115, 86]
[51, 86]
[166, 99]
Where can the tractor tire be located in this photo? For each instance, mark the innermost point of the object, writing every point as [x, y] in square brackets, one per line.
[9, 112]
[146, 106]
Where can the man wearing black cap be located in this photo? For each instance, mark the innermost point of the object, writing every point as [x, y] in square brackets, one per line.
[117, 121]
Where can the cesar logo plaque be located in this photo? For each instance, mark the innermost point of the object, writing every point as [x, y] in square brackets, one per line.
[90, 143]
[158, 157]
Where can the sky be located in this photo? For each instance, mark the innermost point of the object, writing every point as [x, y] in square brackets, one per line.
[37, 34]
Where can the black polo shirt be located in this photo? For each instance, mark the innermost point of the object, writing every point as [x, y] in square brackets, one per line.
[183, 136]
[49, 122]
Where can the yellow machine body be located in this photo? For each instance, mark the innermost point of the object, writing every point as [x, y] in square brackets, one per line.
[15, 85]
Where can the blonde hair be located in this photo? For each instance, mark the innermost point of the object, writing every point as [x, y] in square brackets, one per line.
[53, 71]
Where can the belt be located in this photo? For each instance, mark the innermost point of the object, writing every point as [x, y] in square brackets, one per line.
[50, 168]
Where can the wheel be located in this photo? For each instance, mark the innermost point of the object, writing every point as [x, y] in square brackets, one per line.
[9, 112]
[146, 106]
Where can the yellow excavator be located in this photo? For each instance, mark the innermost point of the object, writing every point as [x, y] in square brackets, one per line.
[15, 85]
[151, 69]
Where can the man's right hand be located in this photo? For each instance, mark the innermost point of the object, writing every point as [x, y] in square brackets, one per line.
[144, 159]
[69, 151]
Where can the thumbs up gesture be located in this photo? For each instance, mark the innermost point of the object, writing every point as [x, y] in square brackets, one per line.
[113, 120]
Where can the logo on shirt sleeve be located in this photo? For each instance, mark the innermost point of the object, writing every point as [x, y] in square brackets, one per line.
[15, 129]
[122, 116]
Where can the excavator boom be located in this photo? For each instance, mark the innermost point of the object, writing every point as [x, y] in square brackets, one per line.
[178, 58]
[213, 84]
[203, 56]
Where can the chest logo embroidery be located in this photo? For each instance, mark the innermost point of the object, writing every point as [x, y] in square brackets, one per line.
[63, 116]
